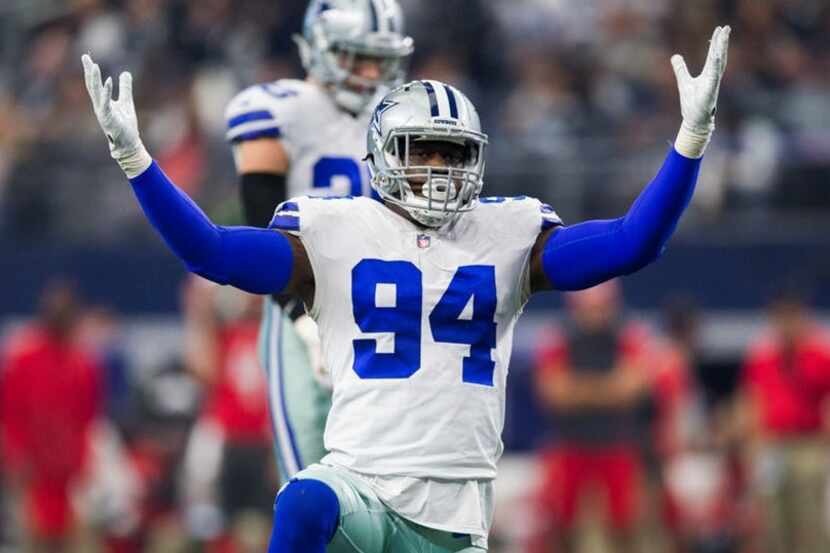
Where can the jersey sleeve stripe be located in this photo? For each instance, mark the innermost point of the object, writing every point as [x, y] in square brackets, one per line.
[549, 217]
[549, 224]
[261, 115]
[285, 222]
[241, 135]
[288, 206]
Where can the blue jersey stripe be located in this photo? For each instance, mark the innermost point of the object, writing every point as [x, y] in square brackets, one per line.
[374, 14]
[288, 454]
[261, 115]
[285, 222]
[288, 206]
[433, 100]
[453, 105]
[264, 133]
[280, 366]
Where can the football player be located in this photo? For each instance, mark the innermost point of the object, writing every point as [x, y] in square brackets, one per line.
[296, 138]
[416, 297]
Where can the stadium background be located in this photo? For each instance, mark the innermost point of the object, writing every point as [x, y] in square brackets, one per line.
[579, 101]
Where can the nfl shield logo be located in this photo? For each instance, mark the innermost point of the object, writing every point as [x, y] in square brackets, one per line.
[423, 241]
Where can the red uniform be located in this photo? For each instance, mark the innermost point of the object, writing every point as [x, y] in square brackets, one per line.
[50, 394]
[670, 388]
[239, 401]
[789, 387]
[597, 447]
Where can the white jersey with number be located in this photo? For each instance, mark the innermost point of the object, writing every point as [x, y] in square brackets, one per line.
[417, 329]
[324, 143]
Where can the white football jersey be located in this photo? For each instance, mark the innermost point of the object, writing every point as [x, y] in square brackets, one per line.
[325, 144]
[417, 330]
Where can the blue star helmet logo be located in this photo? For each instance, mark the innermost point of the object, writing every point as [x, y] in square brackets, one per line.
[381, 108]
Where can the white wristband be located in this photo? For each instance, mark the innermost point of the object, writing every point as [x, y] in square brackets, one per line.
[136, 162]
[691, 144]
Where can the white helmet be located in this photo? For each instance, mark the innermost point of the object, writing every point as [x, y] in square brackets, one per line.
[336, 32]
[426, 111]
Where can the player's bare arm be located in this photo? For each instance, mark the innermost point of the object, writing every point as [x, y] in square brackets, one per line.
[301, 284]
[264, 155]
[255, 260]
[583, 255]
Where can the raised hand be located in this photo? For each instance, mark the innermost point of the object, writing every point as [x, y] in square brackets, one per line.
[699, 95]
[117, 118]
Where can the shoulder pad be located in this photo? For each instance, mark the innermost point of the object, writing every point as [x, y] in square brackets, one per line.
[290, 214]
[524, 206]
[267, 109]
[286, 216]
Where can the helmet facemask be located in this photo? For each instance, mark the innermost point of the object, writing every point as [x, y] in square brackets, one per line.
[432, 195]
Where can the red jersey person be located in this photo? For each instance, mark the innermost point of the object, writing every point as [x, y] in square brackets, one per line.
[222, 328]
[697, 500]
[786, 393]
[50, 398]
[592, 377]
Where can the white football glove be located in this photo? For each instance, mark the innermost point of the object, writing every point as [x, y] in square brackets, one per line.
[117, 118]
[699, 95]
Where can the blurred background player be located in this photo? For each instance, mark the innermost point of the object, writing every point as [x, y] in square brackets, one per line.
[696, 501]
[593, 378]
[294, 138]
[50, 398]
[786, 402]
[230, 473]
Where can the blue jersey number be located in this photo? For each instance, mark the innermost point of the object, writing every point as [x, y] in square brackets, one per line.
[401, 316]
[400, 313]
[476, 284]
[327, 168]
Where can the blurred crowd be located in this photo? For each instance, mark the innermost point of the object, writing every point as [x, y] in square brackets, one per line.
[645, 451]
[638, 445]
[582, 93]
[101, 453]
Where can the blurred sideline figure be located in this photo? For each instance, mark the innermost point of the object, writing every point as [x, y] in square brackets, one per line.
[50, 398]
[229, 475]
[699, 479]
[293, 138]
[593, 378]
[785, 389]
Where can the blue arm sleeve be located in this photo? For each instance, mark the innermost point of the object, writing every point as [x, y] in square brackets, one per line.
[255, 260]
[585, 254]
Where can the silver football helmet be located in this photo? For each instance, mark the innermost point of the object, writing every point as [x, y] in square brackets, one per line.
[338, 33]
[426, 111]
